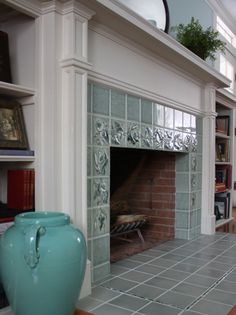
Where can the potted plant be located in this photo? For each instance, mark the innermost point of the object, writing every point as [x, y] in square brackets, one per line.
[204, 43]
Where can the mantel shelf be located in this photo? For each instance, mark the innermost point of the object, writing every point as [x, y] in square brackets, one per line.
[15, 90]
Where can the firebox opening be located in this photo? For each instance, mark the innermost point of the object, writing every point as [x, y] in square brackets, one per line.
[142, 185]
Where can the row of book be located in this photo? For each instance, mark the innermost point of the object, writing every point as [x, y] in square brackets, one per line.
[20, 195]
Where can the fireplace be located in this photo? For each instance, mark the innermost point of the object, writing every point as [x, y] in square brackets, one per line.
[164, 151]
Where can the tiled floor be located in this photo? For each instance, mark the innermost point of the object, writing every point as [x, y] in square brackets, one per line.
[177, 277]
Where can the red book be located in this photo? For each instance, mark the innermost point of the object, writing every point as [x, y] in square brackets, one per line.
[18, 189]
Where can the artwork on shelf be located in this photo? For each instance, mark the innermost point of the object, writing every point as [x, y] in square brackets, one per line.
[222, 201]
[222, 150]
[12, 126]
[222, 125]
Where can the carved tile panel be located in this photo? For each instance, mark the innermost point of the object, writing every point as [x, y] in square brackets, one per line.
[100, 191]
[133, 134]
[118, 132]
[101, 131]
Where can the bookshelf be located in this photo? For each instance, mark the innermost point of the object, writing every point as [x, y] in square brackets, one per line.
[21, 36]
[223, 164]
[21, 30]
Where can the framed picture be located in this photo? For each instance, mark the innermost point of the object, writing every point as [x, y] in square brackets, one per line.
[222, 150]
[222, 125]
[12, 126]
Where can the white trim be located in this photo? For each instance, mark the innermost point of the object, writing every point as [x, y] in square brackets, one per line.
[130, 88]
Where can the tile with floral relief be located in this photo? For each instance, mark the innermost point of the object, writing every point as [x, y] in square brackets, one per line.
[178, 141]
[188, 142]
[133, 134]
[100, 100]
[100, 191]
[168, 139]
[118, 132]
[158, 138]
[101, 221]
[100, 131]
[147, 136]
[193, 181]
[193, 161]
[101, 161]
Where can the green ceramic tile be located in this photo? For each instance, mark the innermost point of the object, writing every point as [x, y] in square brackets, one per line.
[89, 129]
[100, 100]
[118, 104]
[182, 234]
[193, 162]
[182, 182]
[198, 217]
[182, 162]
[199, 144]
[199, 162]
[193, 219]
[89, 194]
[181, 219]
[199, 181]
[101, 161]
[101, 221]
[101, 250]
[146, 112]
[193, 182]
[89, 161]
[158, 114]
[89, 98]
[118, 132]
[187, 122]
[193, 200]
[199, 125]
[100, 191]
[133, 134]
[169, 117]
[101, 131]
[89, 222]
[193, 123]
[146, 136]
[101, 272]
[133, 108]
[178, 120]
[89, 250]
[182, 201]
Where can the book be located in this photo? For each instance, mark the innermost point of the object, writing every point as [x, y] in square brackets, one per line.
[20, 189]
[5, 70]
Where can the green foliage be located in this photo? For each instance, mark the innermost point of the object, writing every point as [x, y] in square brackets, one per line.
[203, 43]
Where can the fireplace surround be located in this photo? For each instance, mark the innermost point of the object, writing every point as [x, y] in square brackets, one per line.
[121, 120]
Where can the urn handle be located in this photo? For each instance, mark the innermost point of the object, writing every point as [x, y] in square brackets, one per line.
[32, 234]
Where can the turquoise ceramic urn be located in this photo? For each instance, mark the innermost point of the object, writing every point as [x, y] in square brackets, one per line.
[42, 261]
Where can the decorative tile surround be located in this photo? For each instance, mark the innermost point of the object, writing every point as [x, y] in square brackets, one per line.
[118, 119]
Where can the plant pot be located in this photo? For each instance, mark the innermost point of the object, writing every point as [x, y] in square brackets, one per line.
[43, 261]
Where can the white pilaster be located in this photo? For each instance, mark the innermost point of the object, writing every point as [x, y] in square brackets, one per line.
[208, 161]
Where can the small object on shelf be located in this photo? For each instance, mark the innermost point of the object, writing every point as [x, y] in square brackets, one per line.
[222, 150]
[222, 125]
[5, 70]
[12, 126]
[20, 189]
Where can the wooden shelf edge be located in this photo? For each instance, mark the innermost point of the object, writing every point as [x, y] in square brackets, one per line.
[15, 90]
[16, 158]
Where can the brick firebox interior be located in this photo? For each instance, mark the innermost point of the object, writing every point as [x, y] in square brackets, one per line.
[145, 180]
